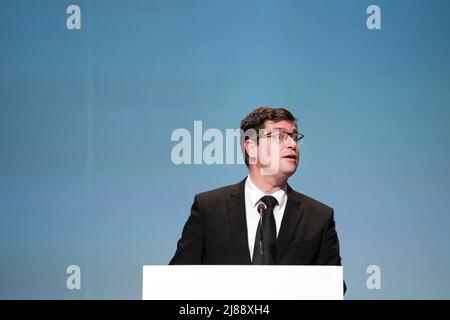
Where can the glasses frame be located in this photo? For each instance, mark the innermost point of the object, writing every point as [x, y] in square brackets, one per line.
[300, 136]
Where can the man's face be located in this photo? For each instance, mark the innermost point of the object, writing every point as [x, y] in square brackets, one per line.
[278, 153]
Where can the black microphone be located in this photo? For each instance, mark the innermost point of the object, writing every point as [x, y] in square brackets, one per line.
[261, 209]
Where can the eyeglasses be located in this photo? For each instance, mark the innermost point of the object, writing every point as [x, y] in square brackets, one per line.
[281, 136]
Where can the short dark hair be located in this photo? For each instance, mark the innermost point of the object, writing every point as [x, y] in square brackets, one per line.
[255, 121]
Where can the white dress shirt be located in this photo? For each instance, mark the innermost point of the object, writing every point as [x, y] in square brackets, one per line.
[253, 196]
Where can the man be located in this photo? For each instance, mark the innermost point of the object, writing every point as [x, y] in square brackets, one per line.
[261, 220]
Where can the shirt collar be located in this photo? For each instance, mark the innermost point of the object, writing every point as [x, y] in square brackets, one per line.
[254, 194]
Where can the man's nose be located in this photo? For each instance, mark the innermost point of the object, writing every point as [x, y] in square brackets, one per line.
[291, 143]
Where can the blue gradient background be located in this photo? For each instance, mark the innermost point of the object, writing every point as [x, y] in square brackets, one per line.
[86, 118]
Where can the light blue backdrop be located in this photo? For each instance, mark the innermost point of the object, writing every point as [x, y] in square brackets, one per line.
[86, 118]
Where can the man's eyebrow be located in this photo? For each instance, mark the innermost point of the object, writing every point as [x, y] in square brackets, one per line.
[282, 129]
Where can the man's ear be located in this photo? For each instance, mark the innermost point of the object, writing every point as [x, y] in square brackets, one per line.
[252, 150]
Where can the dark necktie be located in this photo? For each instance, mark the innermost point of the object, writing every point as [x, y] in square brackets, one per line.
[265, 251]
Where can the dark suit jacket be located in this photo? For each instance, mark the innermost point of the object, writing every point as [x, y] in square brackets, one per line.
[216, 231]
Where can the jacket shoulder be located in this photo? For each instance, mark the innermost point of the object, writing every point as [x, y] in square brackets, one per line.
[219, 193]
[312, 204]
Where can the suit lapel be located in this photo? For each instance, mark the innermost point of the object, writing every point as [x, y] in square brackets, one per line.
[291, 218]
[238, 222]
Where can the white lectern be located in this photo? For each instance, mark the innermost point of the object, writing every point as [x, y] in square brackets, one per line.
[232, 282]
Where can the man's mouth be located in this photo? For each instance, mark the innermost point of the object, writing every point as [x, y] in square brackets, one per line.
[290, 156]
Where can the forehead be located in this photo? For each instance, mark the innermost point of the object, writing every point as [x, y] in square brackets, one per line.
[283, 125]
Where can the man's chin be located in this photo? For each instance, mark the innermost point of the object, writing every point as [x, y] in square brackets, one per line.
[285, 169]
[288, 169]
